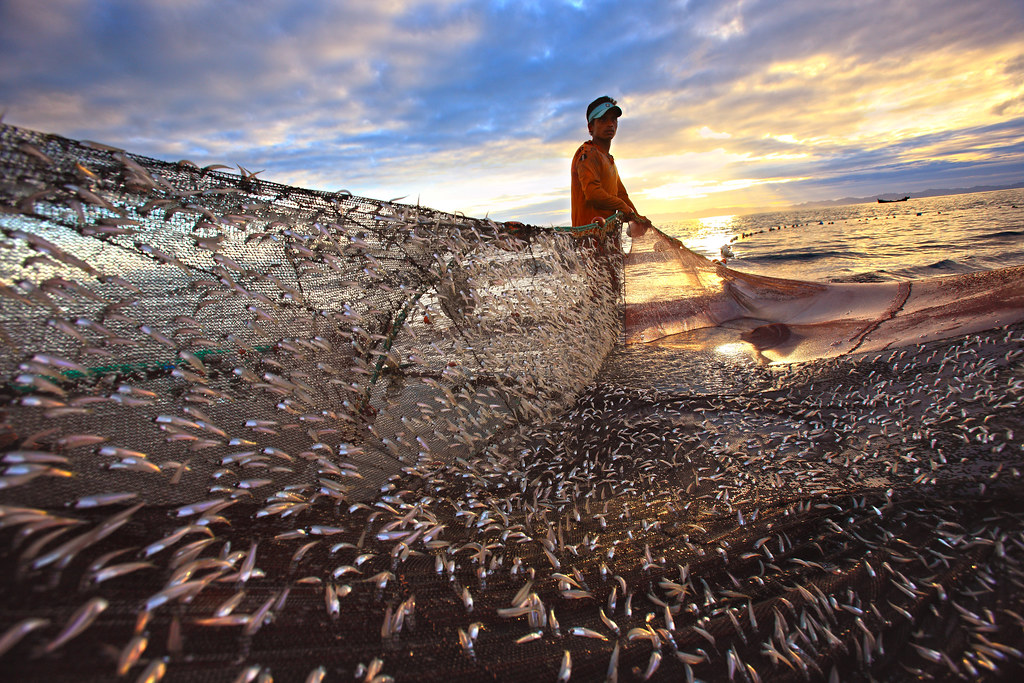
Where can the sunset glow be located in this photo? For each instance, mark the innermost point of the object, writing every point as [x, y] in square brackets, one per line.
[727, 106]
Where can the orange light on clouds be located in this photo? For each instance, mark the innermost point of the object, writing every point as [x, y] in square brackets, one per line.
[697, 189]
[738, 110]
[811, 109]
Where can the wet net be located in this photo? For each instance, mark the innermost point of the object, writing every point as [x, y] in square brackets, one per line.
[256, 432]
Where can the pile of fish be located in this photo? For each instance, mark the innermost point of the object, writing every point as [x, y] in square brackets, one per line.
[253, 432]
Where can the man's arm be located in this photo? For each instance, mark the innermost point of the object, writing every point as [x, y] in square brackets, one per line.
[596, 196]
[637, 224]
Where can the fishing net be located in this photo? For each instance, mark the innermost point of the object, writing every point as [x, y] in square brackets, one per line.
[256, 432]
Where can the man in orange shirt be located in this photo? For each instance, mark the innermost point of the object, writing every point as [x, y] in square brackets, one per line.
[597, 191]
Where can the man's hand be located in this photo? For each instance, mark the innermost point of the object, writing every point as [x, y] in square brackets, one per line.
[638, 225]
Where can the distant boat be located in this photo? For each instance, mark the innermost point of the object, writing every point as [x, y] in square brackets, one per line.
[890, 201]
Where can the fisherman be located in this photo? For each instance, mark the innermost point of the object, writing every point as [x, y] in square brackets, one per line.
[597, 191]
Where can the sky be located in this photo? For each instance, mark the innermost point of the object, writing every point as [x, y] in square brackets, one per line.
[477, 106]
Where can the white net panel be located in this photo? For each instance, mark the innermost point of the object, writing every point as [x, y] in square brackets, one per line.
[671, 290]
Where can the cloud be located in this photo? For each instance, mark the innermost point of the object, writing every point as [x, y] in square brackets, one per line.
[478, 106]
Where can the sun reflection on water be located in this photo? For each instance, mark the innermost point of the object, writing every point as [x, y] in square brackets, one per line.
[734, 349]
[708, 236]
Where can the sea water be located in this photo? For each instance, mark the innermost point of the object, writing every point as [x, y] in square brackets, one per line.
[918, 238]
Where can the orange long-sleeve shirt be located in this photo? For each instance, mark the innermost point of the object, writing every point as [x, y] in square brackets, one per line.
[596, 190]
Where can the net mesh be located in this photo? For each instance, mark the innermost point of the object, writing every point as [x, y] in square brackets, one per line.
[255, 431]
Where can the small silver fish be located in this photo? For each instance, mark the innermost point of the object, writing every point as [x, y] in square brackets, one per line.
[78, 622]
[15, 633]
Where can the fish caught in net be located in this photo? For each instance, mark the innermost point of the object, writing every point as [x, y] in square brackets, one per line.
[255, 432]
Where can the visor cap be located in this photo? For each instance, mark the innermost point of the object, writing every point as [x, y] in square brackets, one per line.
[602, 109]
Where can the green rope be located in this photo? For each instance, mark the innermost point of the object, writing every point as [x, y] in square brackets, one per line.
[613, 221]
[132, 368]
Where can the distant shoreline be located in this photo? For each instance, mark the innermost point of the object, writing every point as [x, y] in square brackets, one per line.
[824, 203]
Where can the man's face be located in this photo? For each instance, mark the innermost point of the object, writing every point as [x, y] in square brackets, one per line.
[604, 128]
